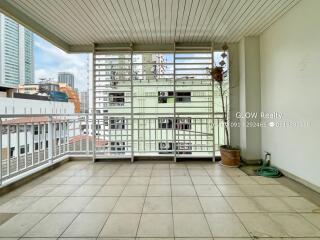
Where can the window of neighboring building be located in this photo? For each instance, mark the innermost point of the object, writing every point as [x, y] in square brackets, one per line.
[12, 151]
[116, 99]
[183, 123]
[106, 120]
[165, 147]
[21, 128]
[165, 97]
[183, 96]
[118, 147]
[36, 146]
[184, 148]
[47, 144]
[117, 123]
[22, 150]
[36, 130]
[165, 122]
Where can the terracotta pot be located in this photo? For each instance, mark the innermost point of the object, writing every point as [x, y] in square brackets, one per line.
[229, 157]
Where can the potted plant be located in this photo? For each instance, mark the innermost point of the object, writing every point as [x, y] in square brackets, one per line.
[230, 156]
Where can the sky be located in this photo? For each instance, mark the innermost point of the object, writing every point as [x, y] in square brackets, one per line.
[49, 60]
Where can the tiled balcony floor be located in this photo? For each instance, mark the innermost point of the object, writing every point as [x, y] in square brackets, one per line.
[155, 200]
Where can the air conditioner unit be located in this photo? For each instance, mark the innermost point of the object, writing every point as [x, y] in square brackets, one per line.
[118, 120]
[183, 120]
[114, 83]
[163, 120]
[163, 94]
[165, 146]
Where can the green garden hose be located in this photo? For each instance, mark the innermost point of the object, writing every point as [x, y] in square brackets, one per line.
[266, 170]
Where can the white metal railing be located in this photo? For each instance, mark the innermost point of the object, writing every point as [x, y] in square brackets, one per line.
[182, 136]
[30, 142]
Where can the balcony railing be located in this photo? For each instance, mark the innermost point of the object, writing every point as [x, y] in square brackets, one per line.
[35, 141]
[30, 143]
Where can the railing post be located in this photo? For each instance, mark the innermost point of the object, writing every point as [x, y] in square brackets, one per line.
[87, 134]
[213, 113]
[60, 137]
[9, 149]
[67, 135]
[25, 145]
[93, 129]
[50, 140]
[39, 144]
[132, 109]
[74, 135]
[18, 145]
[33, 145]
[174, 142]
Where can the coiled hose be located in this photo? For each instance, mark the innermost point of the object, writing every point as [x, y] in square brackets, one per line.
[266, 170]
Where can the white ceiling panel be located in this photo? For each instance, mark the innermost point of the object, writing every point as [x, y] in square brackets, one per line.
[75, 25]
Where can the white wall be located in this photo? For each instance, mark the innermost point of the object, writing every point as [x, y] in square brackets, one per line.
[28, 106]
[290, 84]
[249, 101]
[234, 92]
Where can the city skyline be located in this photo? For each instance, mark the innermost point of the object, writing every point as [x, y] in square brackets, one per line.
[50, 60]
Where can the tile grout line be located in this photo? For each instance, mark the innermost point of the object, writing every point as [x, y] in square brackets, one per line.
[251, 197]
[70, 212]
[145, 197]
[266, 213]
[80, 213]
[118, 197]
[205, 217]
[316, 226]
[45, 215]
[171, 198]
[233, 212]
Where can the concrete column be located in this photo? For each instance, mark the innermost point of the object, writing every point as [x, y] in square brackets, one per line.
[234, 93]
[249, 98]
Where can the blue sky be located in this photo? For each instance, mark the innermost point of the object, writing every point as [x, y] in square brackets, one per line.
[49, 60]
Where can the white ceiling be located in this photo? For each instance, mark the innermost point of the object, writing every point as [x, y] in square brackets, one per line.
[75, 24]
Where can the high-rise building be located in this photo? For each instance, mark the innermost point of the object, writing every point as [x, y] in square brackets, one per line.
[16, 53]
[84, 102]
[67, 78]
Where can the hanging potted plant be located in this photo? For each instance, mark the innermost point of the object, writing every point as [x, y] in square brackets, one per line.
[230, 156]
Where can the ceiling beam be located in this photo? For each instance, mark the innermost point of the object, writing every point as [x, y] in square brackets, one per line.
[180, 46]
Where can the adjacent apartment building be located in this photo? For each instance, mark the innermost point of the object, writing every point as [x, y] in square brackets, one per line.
[151, 104]
[84, 102]
[16, 53]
